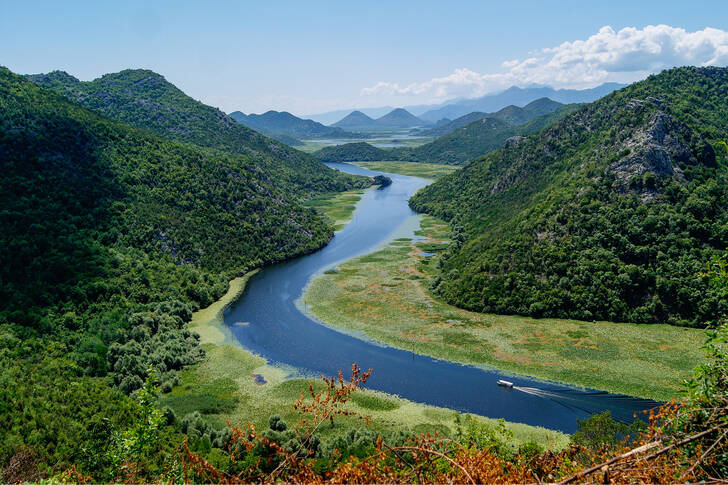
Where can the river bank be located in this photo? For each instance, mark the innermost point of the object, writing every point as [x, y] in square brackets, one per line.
[233, 385]
[385, 296]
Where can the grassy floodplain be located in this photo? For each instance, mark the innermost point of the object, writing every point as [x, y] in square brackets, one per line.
[225, 387]
[382, 139]
[338, 207]
[424, 170]
[386, 296]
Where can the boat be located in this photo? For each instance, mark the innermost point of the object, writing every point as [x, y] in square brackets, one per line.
[503, 383]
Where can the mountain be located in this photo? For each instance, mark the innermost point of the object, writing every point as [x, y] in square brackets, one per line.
[145, 99]
[611, 213]
[455, 148]
[512, 115]
[396, 119]
[112, 236]
[331, 117]
[355, 120]
[274, 123]
[518, 97]
[399, 118]
[512, 96]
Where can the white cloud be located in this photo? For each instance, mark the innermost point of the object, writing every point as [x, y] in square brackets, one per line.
[623, 56]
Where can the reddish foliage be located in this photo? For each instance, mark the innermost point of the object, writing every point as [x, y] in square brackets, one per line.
[658, 455]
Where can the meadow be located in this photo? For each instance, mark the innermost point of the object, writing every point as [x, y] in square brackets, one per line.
[338, 207]
[385, 295]
[381, 139]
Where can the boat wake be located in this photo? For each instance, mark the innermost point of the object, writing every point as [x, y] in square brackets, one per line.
[592, 402]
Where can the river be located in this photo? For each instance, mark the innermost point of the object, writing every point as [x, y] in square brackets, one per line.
[267, 320]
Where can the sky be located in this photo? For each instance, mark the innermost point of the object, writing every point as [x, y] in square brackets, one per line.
[317, 56]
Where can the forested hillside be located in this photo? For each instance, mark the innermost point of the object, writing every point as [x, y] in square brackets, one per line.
[145, 99]
[111, 237]
[610, 213]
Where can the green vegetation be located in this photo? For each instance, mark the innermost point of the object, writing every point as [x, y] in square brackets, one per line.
[145, 99]
[377, 140]
[455, 148]
[337, 207]
[352, 152]
[112, 236]
[385, 296]
[609, 214]
[423, 170]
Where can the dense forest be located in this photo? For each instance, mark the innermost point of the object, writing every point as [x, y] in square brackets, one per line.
[610, 213]
[455, 148]
[112, 236]
[145, 99]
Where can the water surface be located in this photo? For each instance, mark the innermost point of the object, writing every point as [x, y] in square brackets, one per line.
[279, 331]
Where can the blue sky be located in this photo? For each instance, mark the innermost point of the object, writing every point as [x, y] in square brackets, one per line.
[310, 57]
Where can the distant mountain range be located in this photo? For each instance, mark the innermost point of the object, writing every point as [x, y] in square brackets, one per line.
[518, 97]
[282, 123]
[455, 108]
[512, 115]
[398, 118]
[464, 143]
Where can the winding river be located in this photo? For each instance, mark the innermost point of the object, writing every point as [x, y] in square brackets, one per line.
[268, 320]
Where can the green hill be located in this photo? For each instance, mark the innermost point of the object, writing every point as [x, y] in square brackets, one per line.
[609, 213]
[145, 99]
[353, 152]
[112, 236]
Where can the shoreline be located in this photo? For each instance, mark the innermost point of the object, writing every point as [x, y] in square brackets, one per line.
[552, 350]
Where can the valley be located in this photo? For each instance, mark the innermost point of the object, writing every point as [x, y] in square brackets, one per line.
[524, 283]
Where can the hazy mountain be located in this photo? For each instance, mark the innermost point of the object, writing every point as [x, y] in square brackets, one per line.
[355, 120]
[491, 103]
[518, 97]
[331, 117]
[284, 123]
[458, 147]
[399, 118]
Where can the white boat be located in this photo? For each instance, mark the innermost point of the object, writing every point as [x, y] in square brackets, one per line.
[503, 383]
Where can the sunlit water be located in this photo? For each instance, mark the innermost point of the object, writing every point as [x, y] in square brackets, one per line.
[279, 331]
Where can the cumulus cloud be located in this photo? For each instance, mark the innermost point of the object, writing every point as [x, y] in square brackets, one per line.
[608, 55]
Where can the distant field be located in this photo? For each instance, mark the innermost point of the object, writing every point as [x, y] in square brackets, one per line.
[385, 295]
[224, 388]
[338, 207]
[424, 170]
[379, 139]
